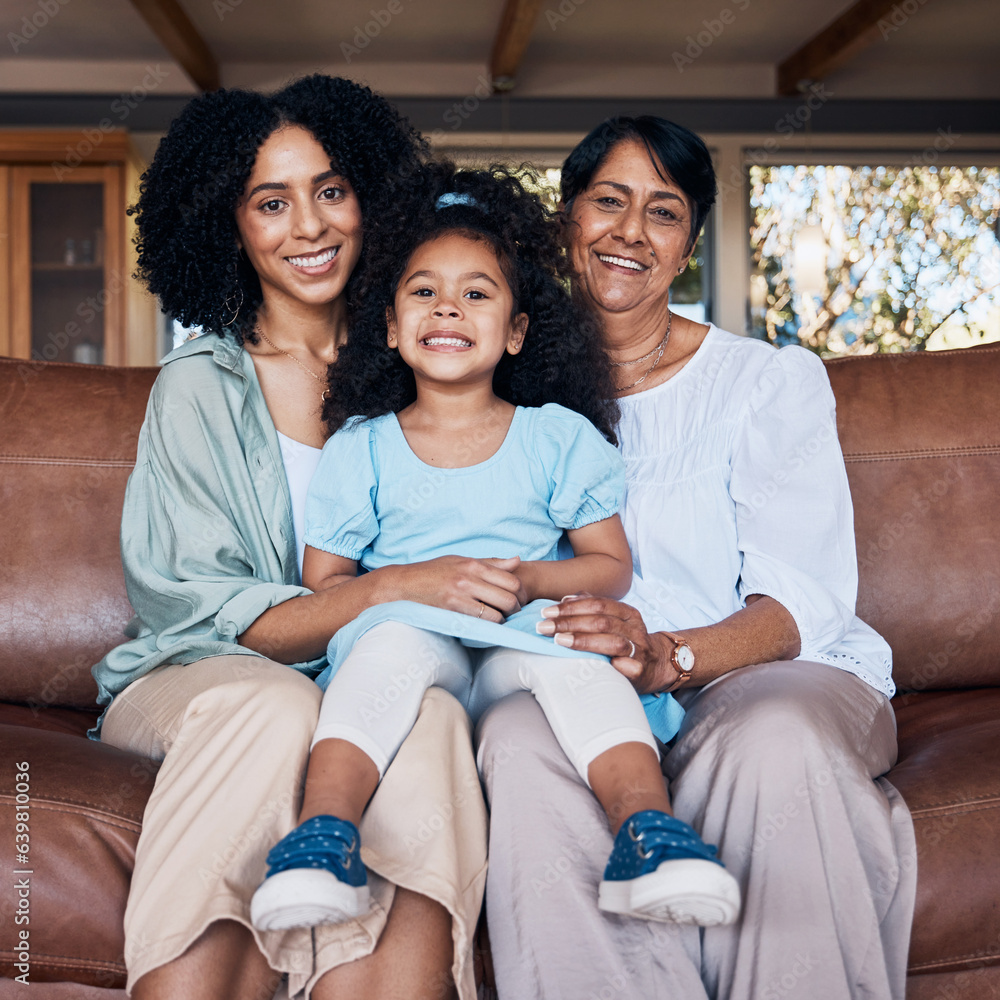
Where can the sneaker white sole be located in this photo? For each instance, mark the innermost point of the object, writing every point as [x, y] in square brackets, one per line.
[305, 897]
[685, 891]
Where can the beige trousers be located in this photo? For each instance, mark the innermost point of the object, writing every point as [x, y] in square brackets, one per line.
[233, 733]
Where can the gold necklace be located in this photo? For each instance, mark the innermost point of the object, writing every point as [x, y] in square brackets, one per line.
[322, 381]
[659, 354]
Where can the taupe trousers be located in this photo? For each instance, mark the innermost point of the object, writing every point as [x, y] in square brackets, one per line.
[779, 765]
[233, 733]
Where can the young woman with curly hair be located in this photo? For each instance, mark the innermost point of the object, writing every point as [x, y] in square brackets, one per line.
[251, 221]
[470, 378]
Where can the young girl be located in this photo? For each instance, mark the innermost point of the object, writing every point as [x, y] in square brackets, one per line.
[459, 410]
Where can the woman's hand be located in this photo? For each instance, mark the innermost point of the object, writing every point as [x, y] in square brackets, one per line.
[762, 631]
[299, 629]
[483, 588]
[600, 625]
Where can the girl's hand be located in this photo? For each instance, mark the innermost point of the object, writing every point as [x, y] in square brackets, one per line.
[600, 625]
[483, 588]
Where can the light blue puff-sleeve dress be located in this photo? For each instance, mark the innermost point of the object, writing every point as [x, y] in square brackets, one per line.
[374, 501]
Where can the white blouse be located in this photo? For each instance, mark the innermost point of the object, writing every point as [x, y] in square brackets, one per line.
[300, 461]
[736, 485]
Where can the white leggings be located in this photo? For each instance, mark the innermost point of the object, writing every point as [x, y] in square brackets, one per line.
[374, 697]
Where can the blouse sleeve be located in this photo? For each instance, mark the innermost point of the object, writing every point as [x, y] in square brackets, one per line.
[192, 571]
[586, 473]
[794, 516]
[340, 505]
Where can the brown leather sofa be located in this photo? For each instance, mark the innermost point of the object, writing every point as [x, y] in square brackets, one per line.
[921, 434]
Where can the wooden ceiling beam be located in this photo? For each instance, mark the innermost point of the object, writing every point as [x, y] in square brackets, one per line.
[513, 35]
[838, 42]
[172, 26]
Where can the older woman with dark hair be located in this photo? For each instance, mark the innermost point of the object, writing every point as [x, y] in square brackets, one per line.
[742, 605]
[251, 222]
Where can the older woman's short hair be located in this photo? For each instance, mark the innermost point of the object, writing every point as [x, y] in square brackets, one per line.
[677, 153]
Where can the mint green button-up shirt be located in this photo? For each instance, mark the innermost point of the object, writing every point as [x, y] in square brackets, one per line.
[207, 539]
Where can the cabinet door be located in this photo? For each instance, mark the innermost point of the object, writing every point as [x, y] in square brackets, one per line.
[5, 307]
[68, 280]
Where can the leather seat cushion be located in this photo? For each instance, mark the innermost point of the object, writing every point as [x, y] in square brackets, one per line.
[86, 806]
[971, 984]
[55, 720]
[949, 774]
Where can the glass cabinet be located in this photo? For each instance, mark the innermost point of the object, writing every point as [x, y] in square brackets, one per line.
[68, 260]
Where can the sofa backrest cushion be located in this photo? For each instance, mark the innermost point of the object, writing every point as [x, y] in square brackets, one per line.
[921, 437]
[920, 433]
[68, 437]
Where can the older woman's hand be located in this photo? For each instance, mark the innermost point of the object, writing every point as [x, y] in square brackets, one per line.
[601, 625]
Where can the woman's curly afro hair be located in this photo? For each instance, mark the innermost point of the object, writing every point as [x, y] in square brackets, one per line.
[188, 254]
[562, 360]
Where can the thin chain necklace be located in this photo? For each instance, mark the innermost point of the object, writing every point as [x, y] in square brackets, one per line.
[635, 361]
[325, 395]
[659, 354]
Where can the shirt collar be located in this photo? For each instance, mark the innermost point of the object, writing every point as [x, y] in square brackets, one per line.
[225, 351]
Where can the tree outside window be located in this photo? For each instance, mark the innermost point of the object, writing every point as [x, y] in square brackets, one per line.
[909, 256]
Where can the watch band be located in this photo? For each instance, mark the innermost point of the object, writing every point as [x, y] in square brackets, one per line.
[679, 641]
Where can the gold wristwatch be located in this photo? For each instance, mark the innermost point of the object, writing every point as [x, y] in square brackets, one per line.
[682, 658]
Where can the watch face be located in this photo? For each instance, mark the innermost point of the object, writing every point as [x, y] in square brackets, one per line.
[685, 657]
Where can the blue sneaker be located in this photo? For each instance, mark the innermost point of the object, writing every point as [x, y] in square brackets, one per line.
[660, 869]
[315, 876]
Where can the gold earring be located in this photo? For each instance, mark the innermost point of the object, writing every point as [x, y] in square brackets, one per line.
[236, 309]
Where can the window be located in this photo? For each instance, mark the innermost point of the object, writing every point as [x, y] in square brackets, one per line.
[864, 259]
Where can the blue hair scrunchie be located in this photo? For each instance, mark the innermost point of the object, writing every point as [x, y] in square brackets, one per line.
[453, 198]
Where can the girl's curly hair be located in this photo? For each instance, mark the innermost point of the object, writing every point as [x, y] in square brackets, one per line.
[188, 254]
[562, 360]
